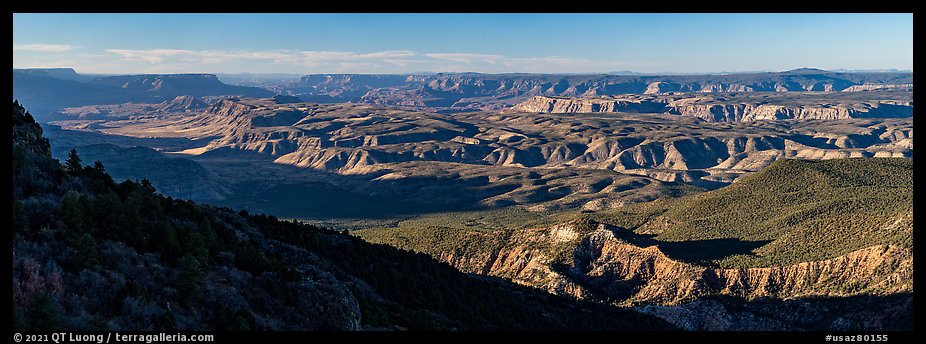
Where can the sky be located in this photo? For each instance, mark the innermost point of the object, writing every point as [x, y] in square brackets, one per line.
[487, 43]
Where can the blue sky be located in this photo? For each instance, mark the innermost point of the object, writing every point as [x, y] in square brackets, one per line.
[490, 43]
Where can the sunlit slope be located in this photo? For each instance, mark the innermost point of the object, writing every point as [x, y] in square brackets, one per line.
[805, 210]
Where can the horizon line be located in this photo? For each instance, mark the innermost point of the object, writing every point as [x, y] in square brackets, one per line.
[625, 73]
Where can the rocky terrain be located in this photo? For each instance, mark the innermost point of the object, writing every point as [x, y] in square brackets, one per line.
[48, 90]
[606, 268]
[736, 107]
[473, 91]
[441, 92]
[93, 254]
[857, 313]
[855, 245]
[773, 201]
[549, 161]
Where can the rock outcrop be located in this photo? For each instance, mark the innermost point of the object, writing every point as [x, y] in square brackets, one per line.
[51, 92]
[474, 91]
[588, 105]
[357, 140]
[183, 103]
[713, 109]
[872, 87]
[27, 134]
[605, 267]
[867, 313]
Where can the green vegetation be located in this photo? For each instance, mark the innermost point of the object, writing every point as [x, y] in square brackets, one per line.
[804, 210]
[463, 234]
[437, 240]
[496, 219]
[89, 253]
[793, 211]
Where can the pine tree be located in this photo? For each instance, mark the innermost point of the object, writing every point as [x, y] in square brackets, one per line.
[167, 321]
[87, 251]
[42, 313]
[71, 213]
[190, 277]
[20, 218]
[73, 165]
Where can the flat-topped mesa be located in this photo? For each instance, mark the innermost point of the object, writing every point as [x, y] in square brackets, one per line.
[74, 90]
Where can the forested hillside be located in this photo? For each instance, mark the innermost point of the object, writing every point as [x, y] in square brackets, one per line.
[89, 253]
[793, 211]
[838, 229]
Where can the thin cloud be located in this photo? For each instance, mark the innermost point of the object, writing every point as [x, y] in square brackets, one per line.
[151, 56]
[467, 58]
[44, 48]
[341, 56]
[319, 61]
[213, 56]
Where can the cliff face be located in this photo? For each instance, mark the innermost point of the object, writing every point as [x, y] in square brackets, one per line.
[712, 110]
[604, 267]
[588, 105]
[871, 313]
[27, 134]
[872, 87]
[754, 112]
[352, 139]
[89, 253]
[172, 85]
[475, 91]
[874, 270]
[342, 87]
[476, 84]
[183, 104]
[46, 93]
[779, 249]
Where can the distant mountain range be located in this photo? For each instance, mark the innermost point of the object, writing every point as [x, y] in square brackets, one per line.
[841, 70]
[47, 90]
[475, 91]
[63, 87]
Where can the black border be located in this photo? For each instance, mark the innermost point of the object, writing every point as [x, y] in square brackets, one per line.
[481, 6]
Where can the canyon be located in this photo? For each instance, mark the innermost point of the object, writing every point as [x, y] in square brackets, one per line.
[648, 257]
[735, 107]
[475, 91]
[674, 196]
[546, 161]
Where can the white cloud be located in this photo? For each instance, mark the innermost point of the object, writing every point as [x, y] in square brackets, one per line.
[151, 56]
[348, 66]
[466, 58]
[350, 56]
[155, 56]
[44, 48]
[312, 61]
